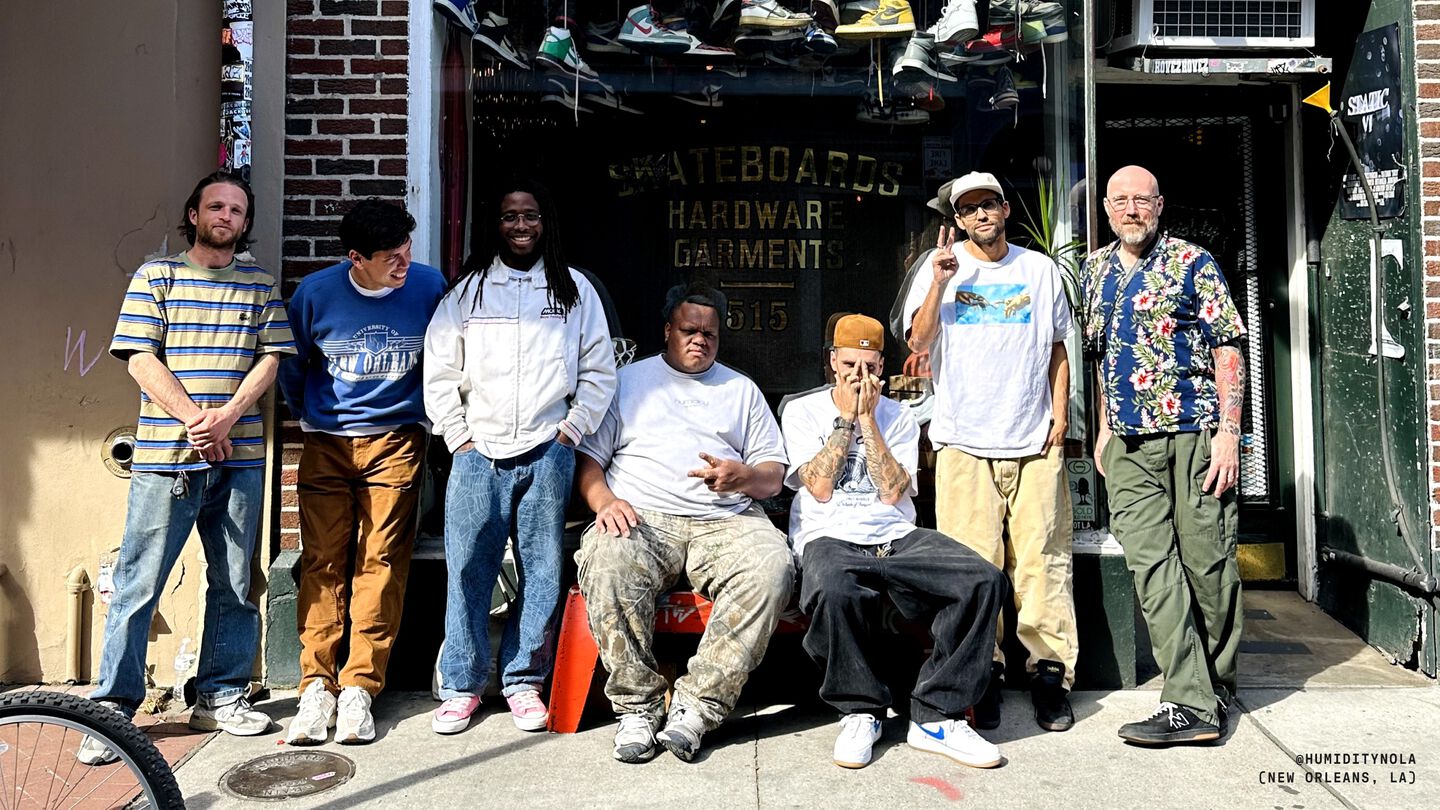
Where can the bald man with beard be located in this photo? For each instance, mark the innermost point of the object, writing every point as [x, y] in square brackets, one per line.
[1165, 334]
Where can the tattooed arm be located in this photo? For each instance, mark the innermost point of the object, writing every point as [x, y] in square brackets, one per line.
[821, 473]
[1224, 469]
[890, 478]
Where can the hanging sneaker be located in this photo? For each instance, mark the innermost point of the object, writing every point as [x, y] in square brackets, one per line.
[559, 91]
[1170, 723]
[858, 733]
[454, 714]
[635, 738]
[493, 33]
[642, 33]
[892, 18]
[236, 718]
[354, 724]
[956, 740]
[1002, 36]
[750, 42]
[819, 42]
[683, 730]
[94, 752]
[606, 100]
[706, 51]
[770, 14]
[1005, 96]
[920, 55]
[727, 12]
[871, 111]
[707, 96]
[986, 54]
[458, 12]
[825, 14]
[919, 92]
[314, 716]
[558, 53]
[1002, 12]
[957, 23]
[852, 12]
[604, 39]
[1050, 698]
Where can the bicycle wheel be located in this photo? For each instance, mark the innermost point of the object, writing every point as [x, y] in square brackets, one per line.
[40, 736]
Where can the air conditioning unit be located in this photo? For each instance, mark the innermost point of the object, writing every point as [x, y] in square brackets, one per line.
[1213, 24]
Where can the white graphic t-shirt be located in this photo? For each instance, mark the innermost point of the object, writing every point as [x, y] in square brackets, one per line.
[854, 512]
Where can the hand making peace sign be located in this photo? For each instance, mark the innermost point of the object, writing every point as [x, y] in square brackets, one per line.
[943, 260]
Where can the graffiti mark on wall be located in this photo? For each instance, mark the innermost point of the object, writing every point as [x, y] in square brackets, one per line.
[75, 352]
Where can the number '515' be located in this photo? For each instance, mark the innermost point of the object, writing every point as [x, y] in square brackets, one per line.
[757, 316]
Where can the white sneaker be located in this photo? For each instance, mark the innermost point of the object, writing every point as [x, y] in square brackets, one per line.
[770, 14]
[858, 733]
[956, 740]
[236, 718]
[94, 752]
[958, 23]
[635, 739]
[314, 717]
[355, 725]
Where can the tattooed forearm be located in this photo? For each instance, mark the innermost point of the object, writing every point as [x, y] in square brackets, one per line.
[1230, 384]
[820, 473]
[889, 477]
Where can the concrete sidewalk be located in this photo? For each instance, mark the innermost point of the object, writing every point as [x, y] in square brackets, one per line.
[779, 755]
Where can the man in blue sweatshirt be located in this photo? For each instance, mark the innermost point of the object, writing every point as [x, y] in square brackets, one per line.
[355, 387]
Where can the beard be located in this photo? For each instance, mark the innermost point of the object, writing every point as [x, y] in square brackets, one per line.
[990, 239]
[1136, 234]
[207, 236]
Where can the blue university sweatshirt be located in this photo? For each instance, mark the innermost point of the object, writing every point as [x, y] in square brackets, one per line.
[357, 367]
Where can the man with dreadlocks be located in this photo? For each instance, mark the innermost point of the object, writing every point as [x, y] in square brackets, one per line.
[518, 368]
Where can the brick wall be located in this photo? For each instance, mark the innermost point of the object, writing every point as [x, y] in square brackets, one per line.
[347, 63]
[1427, 84]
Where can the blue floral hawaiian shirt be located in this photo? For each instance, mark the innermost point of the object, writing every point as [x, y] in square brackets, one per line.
[1153, 331]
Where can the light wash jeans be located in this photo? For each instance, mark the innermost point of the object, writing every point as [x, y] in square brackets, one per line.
[223, 503]
[483, 500]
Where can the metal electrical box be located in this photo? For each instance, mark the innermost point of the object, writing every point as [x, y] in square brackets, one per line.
[1212, 24]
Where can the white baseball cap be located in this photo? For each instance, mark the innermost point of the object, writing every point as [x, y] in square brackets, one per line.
[974, 181]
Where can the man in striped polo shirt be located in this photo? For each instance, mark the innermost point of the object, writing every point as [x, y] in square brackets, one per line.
[202, 334]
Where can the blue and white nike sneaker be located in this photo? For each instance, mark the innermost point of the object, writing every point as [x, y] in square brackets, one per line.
[956, 740]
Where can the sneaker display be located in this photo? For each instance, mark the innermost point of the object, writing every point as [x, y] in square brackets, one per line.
[891, 18]
[454, 714]
[983, 53]
[458, 12]
[770, 14]
[956, 740]
[703, 50]
[1002, 36]
[852, 12]
[919, 92]
[1005, 96]
[920, 55]
[987, 711]
[493, 33]
[707, 96]
[819, 42]
[825, 13]
[682, 733]
[236, 718]
[871, 111]
[758, 40]
[94, 752]
[604, 39]
[558, 53]
[354, 724]
[1043, 30]
[957, 23]
[1050, 698]
[641, 32]
[527, 710]
[314, 716]
[858, 733]
[1170, 723]
[635, 738]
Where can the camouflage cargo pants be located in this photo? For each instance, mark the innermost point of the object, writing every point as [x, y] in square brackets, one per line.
[741, 563]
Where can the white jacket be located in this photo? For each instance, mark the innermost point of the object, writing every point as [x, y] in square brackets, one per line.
[506, 374]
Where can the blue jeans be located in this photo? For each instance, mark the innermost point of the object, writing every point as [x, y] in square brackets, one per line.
[484, 499]
[223, 503]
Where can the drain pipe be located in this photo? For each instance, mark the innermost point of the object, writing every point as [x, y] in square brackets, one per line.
[77, 583]
[1411, 578]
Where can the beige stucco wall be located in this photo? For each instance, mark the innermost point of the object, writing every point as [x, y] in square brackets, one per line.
[110, 115]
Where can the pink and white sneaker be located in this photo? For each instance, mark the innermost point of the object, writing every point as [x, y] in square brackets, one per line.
[528, 710]
[454, 714]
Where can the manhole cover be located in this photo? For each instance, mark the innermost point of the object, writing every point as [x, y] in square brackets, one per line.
[287, 775]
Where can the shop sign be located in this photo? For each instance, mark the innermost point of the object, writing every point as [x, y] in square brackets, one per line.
[1081, 472]
[939, 158]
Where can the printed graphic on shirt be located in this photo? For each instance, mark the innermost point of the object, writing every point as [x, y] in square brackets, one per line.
[992, 303]
[376, 352]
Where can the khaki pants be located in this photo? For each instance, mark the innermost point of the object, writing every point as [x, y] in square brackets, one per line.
[360, 493]
[741, 563]
[977, 500]
[1180, 544]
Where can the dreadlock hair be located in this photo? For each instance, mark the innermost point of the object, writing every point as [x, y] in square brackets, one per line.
[562, 290]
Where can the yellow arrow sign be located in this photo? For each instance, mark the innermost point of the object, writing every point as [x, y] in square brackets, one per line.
[1320, 98]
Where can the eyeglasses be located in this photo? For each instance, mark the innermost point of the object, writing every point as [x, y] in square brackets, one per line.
[1143, 202]
[510, 217]
[990, 206]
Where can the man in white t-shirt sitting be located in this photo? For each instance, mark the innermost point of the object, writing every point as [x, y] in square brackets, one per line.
[671, 473]
[994, 318]
[853, 523]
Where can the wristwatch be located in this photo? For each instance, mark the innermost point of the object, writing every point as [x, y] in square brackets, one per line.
[841, 423]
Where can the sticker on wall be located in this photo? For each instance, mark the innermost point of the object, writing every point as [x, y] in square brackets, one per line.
[1081, 472]
[1374, 111]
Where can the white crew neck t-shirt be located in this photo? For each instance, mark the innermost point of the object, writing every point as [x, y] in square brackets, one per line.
[659, 423]
[991, 360]
[854, 512]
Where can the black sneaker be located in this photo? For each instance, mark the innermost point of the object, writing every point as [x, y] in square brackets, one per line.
[1170, 723]
[1048, 694]
[987, 711]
